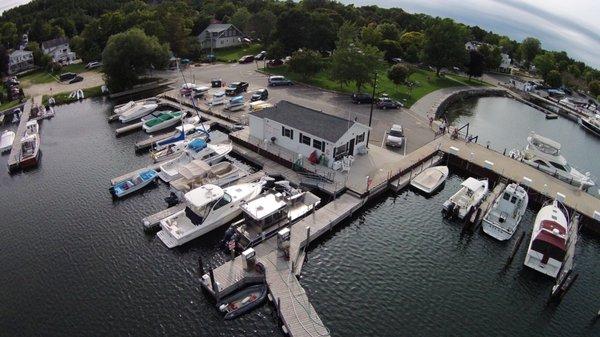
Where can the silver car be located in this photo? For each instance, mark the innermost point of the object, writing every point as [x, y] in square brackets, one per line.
[395, 136]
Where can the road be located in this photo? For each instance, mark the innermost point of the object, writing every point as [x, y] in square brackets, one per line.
[416, 127]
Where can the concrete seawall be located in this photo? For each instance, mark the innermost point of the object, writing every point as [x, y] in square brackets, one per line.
[464, 94]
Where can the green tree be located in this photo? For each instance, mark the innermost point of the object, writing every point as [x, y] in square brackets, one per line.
[261, 24]
[544, 63]
[276, 51]
[240, 18]
[412, 54]
[355, 63]
[371, 35]
[305, 62]
[9, 36]
[389, 31]
[445, 44]
[408, 39]
[130, 54]
[225, 10]
[398, 73]
[492, 56]
[391, 49]
[476, 64]
[530, 48]
[594, 87]
[347, 35]
[574, 70]
[553, 79]
[507, 45]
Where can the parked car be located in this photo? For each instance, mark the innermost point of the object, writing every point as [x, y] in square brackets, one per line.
[76, 79]
[395, 136]
[387, 103]
[246, 59]
[67, 76]
[360, 98]
[186, 89]
[236, 88]
[396, 60]
[216, 83]
[260, 56]
[210, 58]
[279, 80]
[259, 95]
[275, 63]
[93, 64]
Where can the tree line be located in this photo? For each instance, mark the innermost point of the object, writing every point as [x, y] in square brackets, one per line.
[284, 27]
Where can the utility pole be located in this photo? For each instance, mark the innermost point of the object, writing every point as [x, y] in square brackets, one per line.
[372, 103]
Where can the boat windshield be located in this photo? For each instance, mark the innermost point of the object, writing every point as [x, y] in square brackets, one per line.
[226, 199]
[564, 167]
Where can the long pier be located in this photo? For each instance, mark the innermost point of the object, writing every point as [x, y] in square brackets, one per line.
[15, 153]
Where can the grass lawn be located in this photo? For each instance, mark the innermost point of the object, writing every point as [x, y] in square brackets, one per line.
[234, 54]
[42, 76]
[9, 105]
[63, 97]
[425, 82]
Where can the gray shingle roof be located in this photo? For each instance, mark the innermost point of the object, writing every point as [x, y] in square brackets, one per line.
[317, 123]
[218, 27]
[54, 42]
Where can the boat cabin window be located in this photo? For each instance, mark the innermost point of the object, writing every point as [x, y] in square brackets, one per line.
[558, 166]
[540, 162]
[513, 200]
[506, 196]
[226, 199]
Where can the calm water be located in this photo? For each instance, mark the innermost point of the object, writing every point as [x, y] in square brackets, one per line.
[74, 262]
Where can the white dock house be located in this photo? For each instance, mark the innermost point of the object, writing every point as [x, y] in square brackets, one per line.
[308, 132]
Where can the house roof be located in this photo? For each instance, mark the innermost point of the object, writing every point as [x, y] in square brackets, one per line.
[218, 27]
[314, 122]
[54, 42]
[19, 52]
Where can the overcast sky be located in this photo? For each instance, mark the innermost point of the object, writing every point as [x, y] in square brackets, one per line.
[573, 26]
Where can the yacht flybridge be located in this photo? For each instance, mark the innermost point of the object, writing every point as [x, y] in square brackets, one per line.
[208, 207]
[544, 154]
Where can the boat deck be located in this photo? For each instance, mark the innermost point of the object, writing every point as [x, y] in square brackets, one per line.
[155, 166]
[15, 152]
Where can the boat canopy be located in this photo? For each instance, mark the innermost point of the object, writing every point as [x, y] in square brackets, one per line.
[472, 184]
[197, 144]
[546, 145]
[195, 168]
[203, 195]
[264, 206]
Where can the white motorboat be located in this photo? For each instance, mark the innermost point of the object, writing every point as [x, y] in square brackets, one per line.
[162, 121]
[30, 151]
[170, 169]
[138, 111]
[208, 207]
[122, 108]
[32, 127]
[6, 141]
[197, 173]
[430, 179]
[501, 221]
[210, 153]
[544, 154]
[218, 98]
[466, 199]
[549, 239]
[591, 123]
[265, 216]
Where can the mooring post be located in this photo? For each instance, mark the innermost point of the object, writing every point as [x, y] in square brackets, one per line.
[200, 267]
[307, 237]
[515, 248]
[213, 283]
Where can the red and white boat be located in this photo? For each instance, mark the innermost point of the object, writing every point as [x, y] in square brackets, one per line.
[30, 151]
[549, 241]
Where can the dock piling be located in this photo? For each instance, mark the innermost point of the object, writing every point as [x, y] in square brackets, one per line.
[515, 248]
[200, 267]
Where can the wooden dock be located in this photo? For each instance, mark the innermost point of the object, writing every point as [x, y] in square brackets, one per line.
[129, 128]
[15, 153]
[152, 220]
[151, 140]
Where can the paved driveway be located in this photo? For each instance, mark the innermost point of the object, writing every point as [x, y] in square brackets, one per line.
[416, 127]
[90, 79]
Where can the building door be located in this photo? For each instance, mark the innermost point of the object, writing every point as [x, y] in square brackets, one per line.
[351, 147]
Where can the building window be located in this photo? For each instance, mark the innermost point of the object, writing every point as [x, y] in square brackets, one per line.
[340, 151]
[317, 144]
[287, 132]
[360, 138]
[304, 139]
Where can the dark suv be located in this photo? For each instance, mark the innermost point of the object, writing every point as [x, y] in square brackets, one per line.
[236, 88]
[387, 103]
[359, 98]
[260, 95]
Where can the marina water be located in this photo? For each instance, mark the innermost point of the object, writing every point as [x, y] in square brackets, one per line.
[75, 262]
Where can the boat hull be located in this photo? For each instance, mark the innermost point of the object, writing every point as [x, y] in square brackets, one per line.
[589, 127]
[496, 232]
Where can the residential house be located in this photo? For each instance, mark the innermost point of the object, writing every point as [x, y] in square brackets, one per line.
[305, 131]
[221, 35]
[59, 50]
[19, 60]
[473, 45]
[505, 64]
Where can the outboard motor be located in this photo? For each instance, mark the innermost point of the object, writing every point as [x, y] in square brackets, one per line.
[172, 200]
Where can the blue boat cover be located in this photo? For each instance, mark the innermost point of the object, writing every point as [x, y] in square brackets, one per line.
[197, 144]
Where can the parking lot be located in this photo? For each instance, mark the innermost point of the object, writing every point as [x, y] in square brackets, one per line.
[416, 127]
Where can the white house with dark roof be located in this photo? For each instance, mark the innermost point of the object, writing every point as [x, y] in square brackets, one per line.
[19, 60]
[303, 131]
[59, 50]
[221, 35]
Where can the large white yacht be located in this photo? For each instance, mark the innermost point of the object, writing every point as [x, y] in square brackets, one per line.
[208, 207]
[591, 124]
[501, 221]
[544, 154]
[466, 199]
[548, 244]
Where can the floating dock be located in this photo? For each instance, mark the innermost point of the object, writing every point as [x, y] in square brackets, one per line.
[15, 153]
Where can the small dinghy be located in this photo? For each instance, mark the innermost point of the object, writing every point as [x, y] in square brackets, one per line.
[6, 141]
[243, 301]
[162, 121]
[135, 183]
[430, 180]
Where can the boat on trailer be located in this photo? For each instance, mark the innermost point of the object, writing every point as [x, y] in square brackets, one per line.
[134, 183]
[502, 220]
[467, 199]
[243, 301]
[430, 180]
